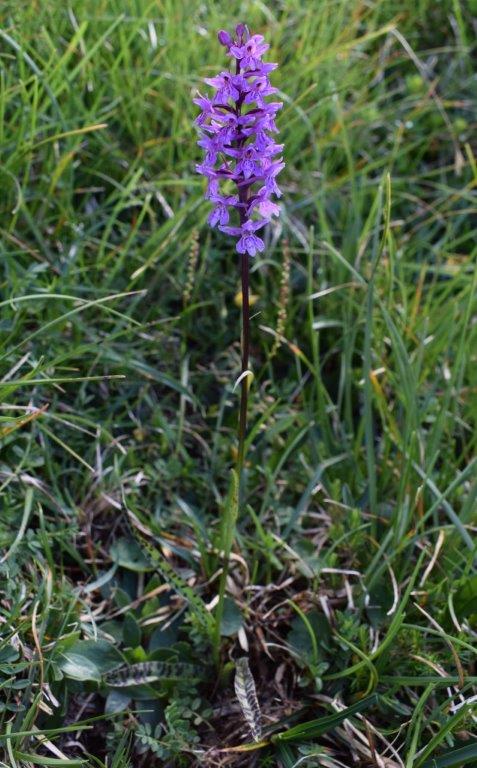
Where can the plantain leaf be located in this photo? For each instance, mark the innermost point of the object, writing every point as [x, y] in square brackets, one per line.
[89, 659]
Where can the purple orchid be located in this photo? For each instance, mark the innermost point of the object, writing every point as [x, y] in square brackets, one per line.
[236, 126]
[220, 214]
[248, 242]
[250, 53]
[226, 85]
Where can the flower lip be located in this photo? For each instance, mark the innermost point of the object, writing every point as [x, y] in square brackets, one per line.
[250, 244]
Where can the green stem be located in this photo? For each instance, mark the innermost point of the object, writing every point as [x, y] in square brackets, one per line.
[242, 428]
[235, 497]
[236, 491]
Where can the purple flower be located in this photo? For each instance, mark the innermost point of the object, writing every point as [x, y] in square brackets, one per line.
[220, 214]
[258, 90]
[250, 53]
[206, 170]
[248, 160]
[213, 146]
[249, 242]
[225, 87]
[207, 108]
[236, 127]
[265, 207]
[265, 67]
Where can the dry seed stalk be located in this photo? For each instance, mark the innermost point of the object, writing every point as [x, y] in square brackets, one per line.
[283, 298]
[191, 267]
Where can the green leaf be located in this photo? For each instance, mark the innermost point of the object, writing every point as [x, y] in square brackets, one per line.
[232, 618]
[315, 728]
[380, 601]
[121, 597]
[465, 599]
[131, 631]
[8, 653]
[128, 554]
[117, 701]
[162, 638]
[89, 660]
[287, 757]
[299, 636]
[456, 757]
[173, 579]
[439, 737]
[78, 667]
[42, 760]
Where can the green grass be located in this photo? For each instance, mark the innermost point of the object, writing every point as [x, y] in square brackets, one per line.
[351, 582]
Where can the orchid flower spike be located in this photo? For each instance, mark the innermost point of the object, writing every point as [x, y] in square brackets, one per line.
[236, 126]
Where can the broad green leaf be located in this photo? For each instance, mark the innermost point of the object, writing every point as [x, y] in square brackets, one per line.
[232, 618]
[116, 701]
[131, 631]
[128, 554]
[299, 637]
[89, 660]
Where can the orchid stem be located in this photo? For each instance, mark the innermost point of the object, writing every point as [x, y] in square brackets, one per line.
[234, 510]
[242, 428]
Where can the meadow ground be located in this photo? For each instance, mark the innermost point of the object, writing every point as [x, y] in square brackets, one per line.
[351, 585]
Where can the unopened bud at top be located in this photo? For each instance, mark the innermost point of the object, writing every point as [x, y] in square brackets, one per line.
[241, 30]
[224, 38]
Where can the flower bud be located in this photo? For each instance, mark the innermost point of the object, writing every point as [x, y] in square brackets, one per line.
[224, 38]
[240, 30]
